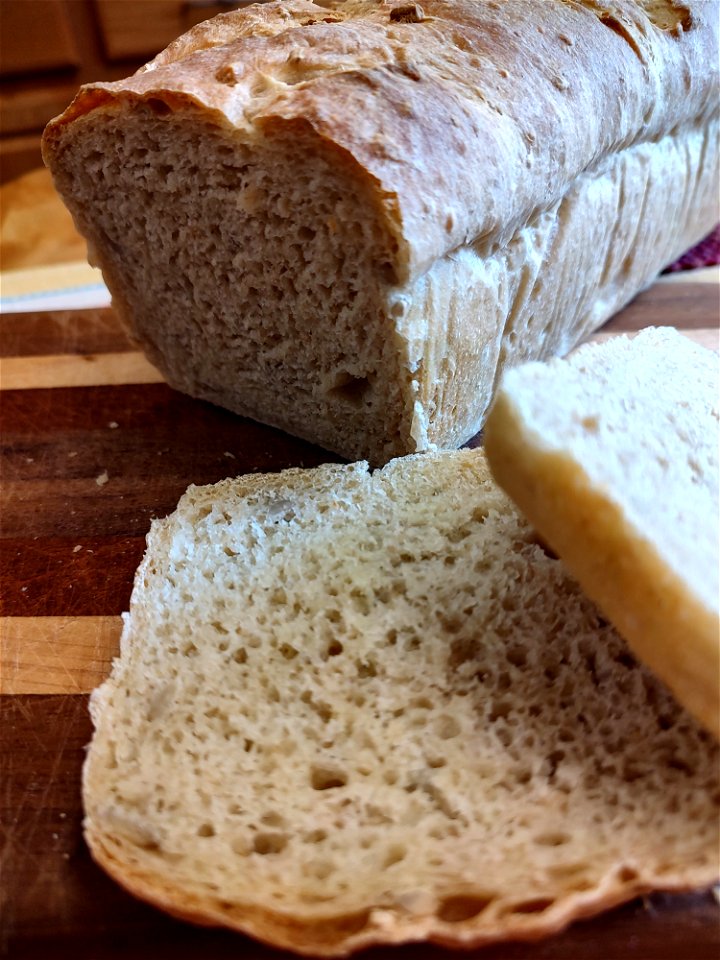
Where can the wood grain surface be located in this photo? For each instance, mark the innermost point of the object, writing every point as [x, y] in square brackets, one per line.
[93, 447]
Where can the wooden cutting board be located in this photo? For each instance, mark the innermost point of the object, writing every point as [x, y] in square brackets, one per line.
[94, 446]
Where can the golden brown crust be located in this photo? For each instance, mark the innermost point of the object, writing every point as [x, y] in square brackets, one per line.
[341, 935]
[403, 97]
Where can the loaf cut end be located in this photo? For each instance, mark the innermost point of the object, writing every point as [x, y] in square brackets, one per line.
[253, 270]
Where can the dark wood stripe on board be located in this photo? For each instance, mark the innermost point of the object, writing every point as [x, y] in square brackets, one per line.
[103, 461]
[63, 332]
[67, 577]
[694, 305]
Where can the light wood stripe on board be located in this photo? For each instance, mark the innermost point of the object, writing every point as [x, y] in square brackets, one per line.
[76, 370]
[56, 654]
[114, 369]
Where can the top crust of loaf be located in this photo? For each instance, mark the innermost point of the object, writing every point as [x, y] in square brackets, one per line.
[398, 96]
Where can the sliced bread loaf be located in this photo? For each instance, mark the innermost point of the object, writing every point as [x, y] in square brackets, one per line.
[354, 708]
[346, 218]
[613, 456]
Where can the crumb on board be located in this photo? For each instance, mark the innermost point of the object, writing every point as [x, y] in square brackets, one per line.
[228, 454]
[77, 548]
[102, 478]
[113, 425]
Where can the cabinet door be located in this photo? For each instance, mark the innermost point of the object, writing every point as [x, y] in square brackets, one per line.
[35, 37]
[141, 28]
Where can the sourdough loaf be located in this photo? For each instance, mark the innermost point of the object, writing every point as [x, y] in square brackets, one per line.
[354, 708]
[613, 456]
[346, 219]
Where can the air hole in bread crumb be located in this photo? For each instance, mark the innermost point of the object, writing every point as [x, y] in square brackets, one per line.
[360, 601]
[499, 709]
[334, 648]
[421, 703]
[538, 905]
[552, 839]
[365, 668]
[206, 830]
[674, 763]
[457, 536]
[627, 874]
[287, 651]
[447, 727]
[350, 389]
[267, 843]
[241, 846]
[158, 107]
[457, 909]
[591, 424]
[315, 836]
[327, 777]
[394, 854]
[321, 869]
[516, 654]
[240, 655]
[272, 819]
[450, 625]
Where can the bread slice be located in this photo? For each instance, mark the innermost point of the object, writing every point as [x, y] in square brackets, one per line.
[613, 456]
[354, 708]
[345, 219]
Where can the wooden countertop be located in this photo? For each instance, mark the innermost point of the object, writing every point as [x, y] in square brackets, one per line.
[94, 445]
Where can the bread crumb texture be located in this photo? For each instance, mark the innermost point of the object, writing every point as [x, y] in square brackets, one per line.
[354, 708]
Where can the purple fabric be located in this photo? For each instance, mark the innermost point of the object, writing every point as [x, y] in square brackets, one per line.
[705, 254]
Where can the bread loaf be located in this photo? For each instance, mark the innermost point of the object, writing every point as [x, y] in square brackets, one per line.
[613, 456]
[345, 219]
[355, 708]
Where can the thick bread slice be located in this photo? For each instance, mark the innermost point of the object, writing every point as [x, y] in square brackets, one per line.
[613, 456]
[346, 219]
[355, 708]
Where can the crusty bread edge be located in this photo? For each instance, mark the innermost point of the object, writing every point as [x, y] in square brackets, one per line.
[340, 935]
[617, 567]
